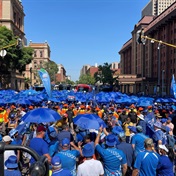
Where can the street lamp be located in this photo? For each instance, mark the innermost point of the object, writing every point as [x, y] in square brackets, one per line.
[159, 53]
[163, 71]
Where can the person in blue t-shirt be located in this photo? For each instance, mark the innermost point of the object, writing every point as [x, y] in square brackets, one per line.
[166, 165]
[39, 145]
[12, 167]
[69, 157]
[57, 169]
[114, 160]
[138, 141]
[146, 162]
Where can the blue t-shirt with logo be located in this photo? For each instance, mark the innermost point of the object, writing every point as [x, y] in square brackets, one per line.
[147, 162]
[138, 140]
[113, 158]
[68, 160]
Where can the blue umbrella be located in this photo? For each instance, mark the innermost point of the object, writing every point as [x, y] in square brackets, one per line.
[86, 121]
[100, 121]
[41, 115]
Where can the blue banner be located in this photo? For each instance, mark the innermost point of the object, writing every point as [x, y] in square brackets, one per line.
[173, 87]
[44, 76]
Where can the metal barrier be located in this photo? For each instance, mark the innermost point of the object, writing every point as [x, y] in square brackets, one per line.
[3, 148]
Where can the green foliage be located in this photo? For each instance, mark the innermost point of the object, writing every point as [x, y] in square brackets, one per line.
[86, 79]
[69, 82]
[52, 69]
[105, 74]
[15, 59]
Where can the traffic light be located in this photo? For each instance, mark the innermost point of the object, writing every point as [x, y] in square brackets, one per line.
[19, 44]
[139, 36]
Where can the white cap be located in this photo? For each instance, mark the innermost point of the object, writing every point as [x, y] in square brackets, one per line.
[163, 147]
[7, 139]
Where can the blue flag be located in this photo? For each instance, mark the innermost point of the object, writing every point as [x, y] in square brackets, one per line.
[173, 87]
[44, 76]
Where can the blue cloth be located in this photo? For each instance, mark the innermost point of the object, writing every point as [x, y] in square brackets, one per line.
[61, 172]
[68, 160]
[12, 173]
[113, 158]
[128, 151]
[165, 167]
[53, 148]
[40, 146]
[159, 135]
[138, 140]
[146, 162]
[143, 124]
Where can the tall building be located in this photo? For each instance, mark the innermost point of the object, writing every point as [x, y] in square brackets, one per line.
[156, 7]
[12, 16]
[61, 74]
[147, 68]
[40, 56]
[84, 69]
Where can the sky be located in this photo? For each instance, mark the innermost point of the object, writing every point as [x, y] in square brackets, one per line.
[81, 32]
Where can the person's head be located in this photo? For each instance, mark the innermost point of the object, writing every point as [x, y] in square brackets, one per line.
[148, 144]
[11, 162]
[128, 120]
[65, 143]
[139, 129]
[65, 127]
[7, 139]
[111, 140]
[88, 151]
[41, 131]
[87, 138]
[169, 120]
[56, 163]
[163, 149]
[122, 136]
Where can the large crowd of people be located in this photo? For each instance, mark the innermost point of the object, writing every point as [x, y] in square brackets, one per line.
[132, 141]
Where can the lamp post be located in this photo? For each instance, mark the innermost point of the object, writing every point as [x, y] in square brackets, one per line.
[159, 47]
[163, 71]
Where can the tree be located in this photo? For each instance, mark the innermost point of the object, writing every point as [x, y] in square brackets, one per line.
[67, 81]
[52, 69]
[86, 79]
[105, 74]
[15, 59]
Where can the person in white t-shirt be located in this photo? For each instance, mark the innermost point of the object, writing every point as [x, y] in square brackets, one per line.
[7, 140]
[90, 167]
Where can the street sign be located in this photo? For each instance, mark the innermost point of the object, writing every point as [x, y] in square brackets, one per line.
[3, 53]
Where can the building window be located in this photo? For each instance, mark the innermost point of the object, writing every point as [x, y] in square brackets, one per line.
[35, 62]
[35, 66]
[35, 53]
[41, 62]
[41, 53]
[19, 23]
[14, 17]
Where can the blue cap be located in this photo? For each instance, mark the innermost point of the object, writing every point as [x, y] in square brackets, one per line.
[88, 150]
[56, 161]
[11, 162]
[117, 129]
[132, 128]
[111, 140]
[65, 141]
[163, 120]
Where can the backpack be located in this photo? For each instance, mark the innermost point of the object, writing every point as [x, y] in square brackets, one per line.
[170, 140]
